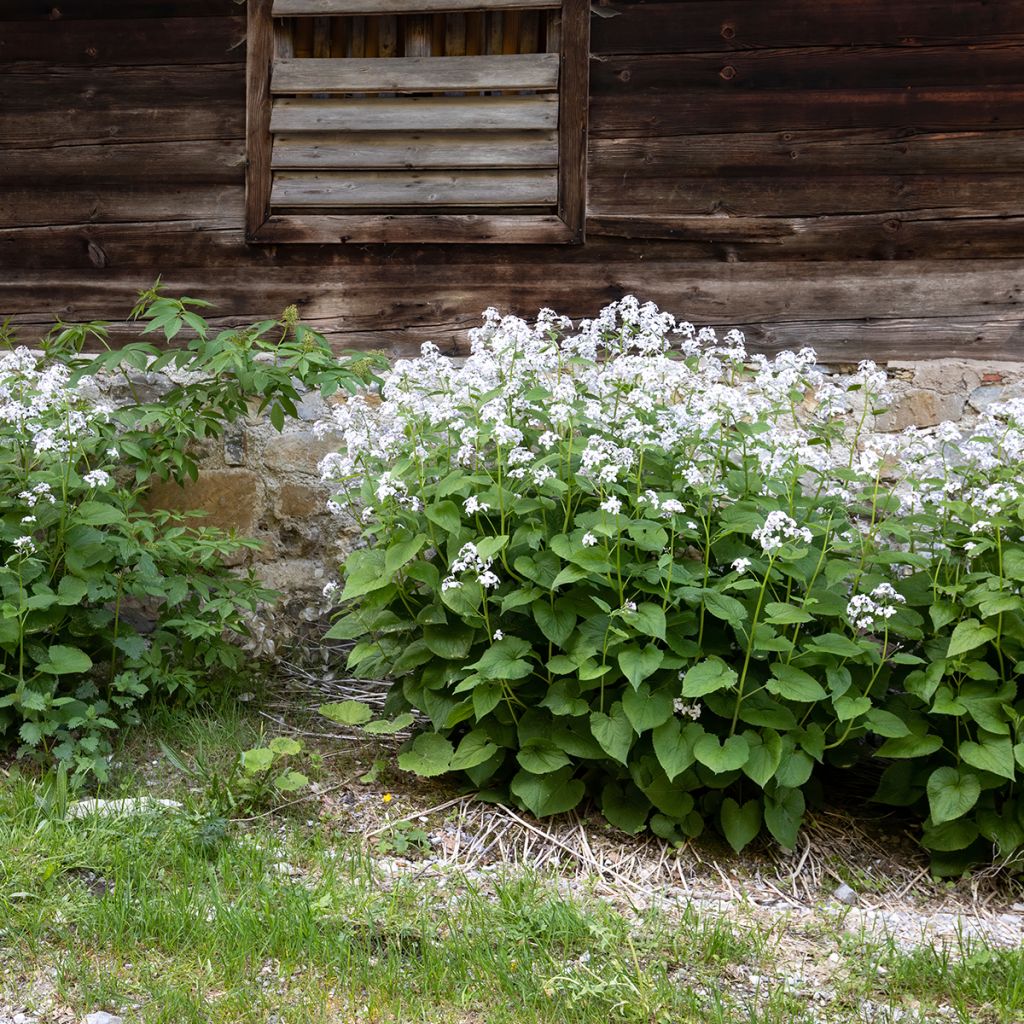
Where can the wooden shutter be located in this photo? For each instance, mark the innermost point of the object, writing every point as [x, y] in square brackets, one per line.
[416, 120]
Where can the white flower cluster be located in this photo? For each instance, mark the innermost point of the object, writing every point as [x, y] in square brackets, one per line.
[778, 530]
[469, 560]
[866, 610]
[686, 709]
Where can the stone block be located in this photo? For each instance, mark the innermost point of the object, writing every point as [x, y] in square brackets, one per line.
[299, 501]
[297, 452]
[921, 408]
[981, 398]
[230, 497]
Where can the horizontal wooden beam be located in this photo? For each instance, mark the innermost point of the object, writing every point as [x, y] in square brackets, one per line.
[368, 150]
[521, 71]
[415, 113]
[407, 188]
[314, 8]
[506, 229]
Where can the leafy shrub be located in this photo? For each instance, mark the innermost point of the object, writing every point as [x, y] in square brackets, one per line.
[102, 602]
[635, 562]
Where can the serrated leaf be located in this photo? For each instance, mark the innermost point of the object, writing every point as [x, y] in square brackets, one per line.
[637, 663]
[708, 676]
[548, 794]
[646, 710]
[968, 634]
[722, 757]
[740, 825]
[541, 756]
[347, 712]
[613, 732]
[429, 755]
[951, 793]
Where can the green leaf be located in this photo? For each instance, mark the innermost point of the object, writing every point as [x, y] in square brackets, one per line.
[794, 684]
[942, 614]
[541, 756]
[452, 642]
[994, 754]
[673, 745]
[740, 825]
[637, 663]
[795, 769]
[548, 794]
[505, 659]
[347, 712]
[646, 710]
[285, 745]
[784, 615]
[951, 793]
[969, 634]
[71, 591]
[783, 814]
[445, 515]
[474, 749]
[649, 619]
[62, 660]
[97, 513]
[724, 757]
[885, 723]
[724, 607]
[429, 755]
[624, 807]
[849, 708]
[259, 759]
[613, 732]
[291, 782]
[708, 676]
[556, 622]
[764, 758]
[401, 552]
[834, 643]
[914, 745]
[382, 727]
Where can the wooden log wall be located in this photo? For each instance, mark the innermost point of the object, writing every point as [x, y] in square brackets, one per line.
[841, 173]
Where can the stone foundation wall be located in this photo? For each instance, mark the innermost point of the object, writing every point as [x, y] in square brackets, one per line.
[266, 484]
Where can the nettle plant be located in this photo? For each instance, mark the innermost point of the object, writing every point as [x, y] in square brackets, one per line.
[103, 601]
[634, 562]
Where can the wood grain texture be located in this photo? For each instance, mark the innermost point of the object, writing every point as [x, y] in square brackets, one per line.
[406, 229]
[535, 71]
[848, 311]
[284, 8]
[742, 25]
[415, 150]
[416, 113]
[260, 49]
[414, 188]
[574, 34]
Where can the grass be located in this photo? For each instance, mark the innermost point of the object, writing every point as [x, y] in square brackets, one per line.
[180, 917]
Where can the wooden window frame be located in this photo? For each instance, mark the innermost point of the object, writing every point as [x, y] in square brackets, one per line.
[564, 226]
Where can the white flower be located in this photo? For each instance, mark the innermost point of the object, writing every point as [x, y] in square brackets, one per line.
[97, 478]
[113, 453]
[450, 583]
[682, 707]
[612, 505]
[472, 505]
[866, 610]
[777, 530]
[741, 565]
[588, 540]
[488, 580]
[498, 635]
[25, 545]
[629, 607]
[330, 588]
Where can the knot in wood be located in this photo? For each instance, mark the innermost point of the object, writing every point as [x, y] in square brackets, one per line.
[727, 72]
[728, 30]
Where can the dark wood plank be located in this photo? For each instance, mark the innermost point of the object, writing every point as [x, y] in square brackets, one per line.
[730, 25]
[284, 8]
[804, 196]
[139, 165]
[824, 151]
[468, 229]
[572, 122]
[811, 67]
[304, 77]
[921, 234]
[698, 111]
[130, 41]
[91, 10]
[261, 46]
[77, 106]
[848, 311]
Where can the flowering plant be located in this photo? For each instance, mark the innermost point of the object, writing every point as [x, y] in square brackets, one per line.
[104, 602]
[632, 560]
